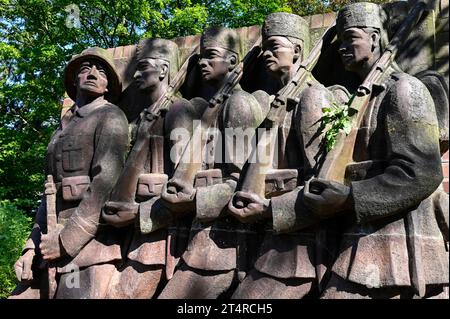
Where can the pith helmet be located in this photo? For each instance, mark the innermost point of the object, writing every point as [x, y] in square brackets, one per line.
[360, 15]
[160, 49]
[221, 37]
[72, 68]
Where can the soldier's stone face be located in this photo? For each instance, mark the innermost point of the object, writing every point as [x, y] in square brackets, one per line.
[355, 49]
[92, 78]
[278, 54]
[214, 64]
[148, 72]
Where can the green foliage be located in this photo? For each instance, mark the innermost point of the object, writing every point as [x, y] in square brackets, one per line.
[337, 118]
[14, 230]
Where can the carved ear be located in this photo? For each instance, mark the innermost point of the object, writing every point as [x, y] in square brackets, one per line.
[164, 69]
[233, 61]
[375, 37]
[297, 52]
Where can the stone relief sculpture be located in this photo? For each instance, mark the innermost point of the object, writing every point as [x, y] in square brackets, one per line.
[233, 194]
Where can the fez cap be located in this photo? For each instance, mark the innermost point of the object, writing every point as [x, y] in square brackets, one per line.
[95, 53]
[360, 15]
[286, 25]
[221, 37]
[159, 49]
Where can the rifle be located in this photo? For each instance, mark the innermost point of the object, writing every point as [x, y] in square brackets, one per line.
[255, 176]
[50, 197]
[341, 155]
[187, 167]
[126, 186]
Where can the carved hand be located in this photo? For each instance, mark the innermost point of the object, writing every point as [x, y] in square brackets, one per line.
[326, 198]
[50, 245]
[179, 196]
[22, 267]
[249, 207]
[120, 214]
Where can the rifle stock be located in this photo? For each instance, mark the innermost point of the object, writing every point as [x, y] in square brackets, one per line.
[50, 197]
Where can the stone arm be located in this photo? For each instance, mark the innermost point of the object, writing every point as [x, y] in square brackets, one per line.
[111, 141]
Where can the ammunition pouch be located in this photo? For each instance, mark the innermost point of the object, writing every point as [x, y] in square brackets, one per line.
[150, 185]
[280, 181]
[208, 177]
[74, 187]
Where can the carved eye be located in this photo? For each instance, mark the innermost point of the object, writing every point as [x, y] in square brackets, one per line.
[85, 68]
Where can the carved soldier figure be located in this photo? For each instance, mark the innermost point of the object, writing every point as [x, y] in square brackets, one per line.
[212, 260]
[85, 156]
[392, 244]
[148, 251]
[391, 241]
[287, 261]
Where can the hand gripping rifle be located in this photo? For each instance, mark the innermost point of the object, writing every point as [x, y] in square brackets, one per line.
[257, 172]
[126, 186]
[52, 224]
[188, 167]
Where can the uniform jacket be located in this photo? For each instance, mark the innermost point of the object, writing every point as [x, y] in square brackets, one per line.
[217, 241]
[85, 156]
[286, 253]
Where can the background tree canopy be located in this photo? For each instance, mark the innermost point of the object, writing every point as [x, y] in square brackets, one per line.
[38, 37]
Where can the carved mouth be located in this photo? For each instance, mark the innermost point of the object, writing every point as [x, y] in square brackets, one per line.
[347, 57]
[205, 72]
[91, 83]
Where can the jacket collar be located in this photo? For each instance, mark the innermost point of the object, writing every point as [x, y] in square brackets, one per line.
[88, 108]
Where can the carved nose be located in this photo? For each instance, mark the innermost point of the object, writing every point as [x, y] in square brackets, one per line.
[93, 73]
[137, 75]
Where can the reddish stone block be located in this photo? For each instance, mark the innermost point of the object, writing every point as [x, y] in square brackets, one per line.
[445, 169]
[328, 19]
[118, 52]
[445, 157]
[445, 185]
[316, 21]
[128, 51]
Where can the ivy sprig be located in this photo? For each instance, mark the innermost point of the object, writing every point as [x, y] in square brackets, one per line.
[338, 118]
